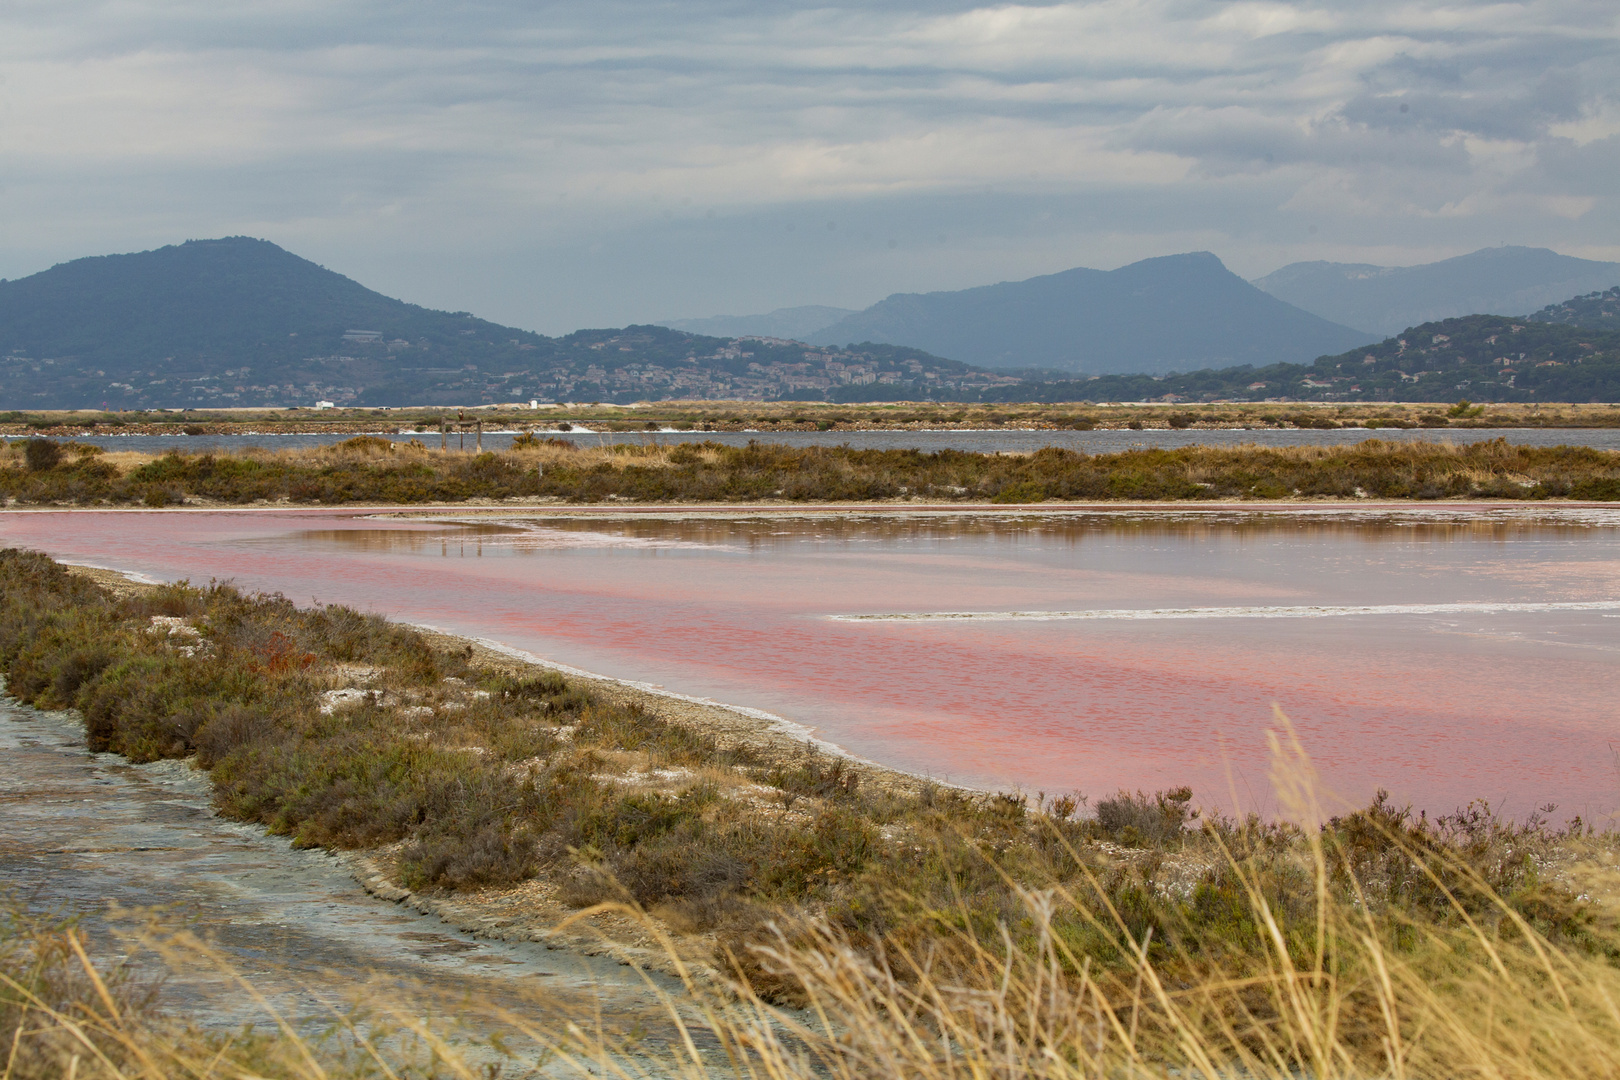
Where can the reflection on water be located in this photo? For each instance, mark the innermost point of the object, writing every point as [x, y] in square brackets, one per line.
[1472, 655]
[782, 528]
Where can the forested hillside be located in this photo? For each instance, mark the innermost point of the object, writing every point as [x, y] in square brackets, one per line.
[241, 322]
[1480, 357]
[1595, 311]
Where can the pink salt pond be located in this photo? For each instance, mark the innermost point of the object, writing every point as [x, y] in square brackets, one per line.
[1444, 654]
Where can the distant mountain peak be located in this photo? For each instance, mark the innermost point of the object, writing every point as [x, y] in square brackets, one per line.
[1170, 312]
[240, 321]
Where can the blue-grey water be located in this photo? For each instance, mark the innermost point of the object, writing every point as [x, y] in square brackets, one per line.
[1091, 442]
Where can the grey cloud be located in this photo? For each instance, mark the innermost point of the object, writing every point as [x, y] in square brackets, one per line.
[1568, 168]
[561, 160]
[1487, 102]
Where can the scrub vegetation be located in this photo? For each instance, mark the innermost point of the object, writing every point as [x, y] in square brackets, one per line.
[936, 932]
[368, 469]
[1090, 414]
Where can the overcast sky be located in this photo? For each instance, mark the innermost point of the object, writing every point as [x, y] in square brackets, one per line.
[556, 166]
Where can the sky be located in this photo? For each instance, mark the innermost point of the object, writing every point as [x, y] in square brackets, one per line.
[564, 165]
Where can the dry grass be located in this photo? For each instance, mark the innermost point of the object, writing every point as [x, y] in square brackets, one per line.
[367, 469]
[735, 416]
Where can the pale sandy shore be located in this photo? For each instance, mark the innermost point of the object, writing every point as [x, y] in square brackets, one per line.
[553, 507]
[532, 911]
[797, 509]
[770, 738]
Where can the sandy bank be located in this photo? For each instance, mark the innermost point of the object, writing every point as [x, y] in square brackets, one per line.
[533, 910]
[558, 508]
[770, 737]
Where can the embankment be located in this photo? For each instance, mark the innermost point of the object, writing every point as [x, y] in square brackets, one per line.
[367, 470]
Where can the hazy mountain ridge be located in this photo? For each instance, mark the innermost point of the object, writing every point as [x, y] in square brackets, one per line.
[1387, 299]
[206, 323]
[240, 321]
[1165, 314]
[797, 323]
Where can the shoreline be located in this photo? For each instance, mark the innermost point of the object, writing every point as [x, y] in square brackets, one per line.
[617, 509]
[773, 737]
[532, 910]
[891, 842]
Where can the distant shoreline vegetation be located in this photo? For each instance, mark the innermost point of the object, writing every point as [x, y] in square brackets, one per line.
[540, 471]
[651, 420]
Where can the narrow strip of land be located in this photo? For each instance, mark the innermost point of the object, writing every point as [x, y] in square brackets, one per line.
[372, 472]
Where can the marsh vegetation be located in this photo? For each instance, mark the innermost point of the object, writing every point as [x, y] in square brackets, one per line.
[367, 469]
[782, 416]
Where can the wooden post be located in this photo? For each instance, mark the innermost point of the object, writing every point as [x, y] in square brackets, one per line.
[480, 436]
[444, 434]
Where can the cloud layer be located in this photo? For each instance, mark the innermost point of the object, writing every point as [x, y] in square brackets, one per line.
[558, 165]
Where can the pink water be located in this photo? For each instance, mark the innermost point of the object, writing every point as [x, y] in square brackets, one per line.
[1440, 708]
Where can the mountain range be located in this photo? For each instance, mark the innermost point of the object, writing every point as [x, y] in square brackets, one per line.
[1480, 357]
[1182, 312]
[1166, 314]
[1383, 300]
[1173, 313]
[240, 321]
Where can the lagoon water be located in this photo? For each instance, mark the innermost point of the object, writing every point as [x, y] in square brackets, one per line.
[1446, 654]
[1090, 442]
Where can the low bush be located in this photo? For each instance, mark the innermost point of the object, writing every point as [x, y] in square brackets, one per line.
[1140, 820]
